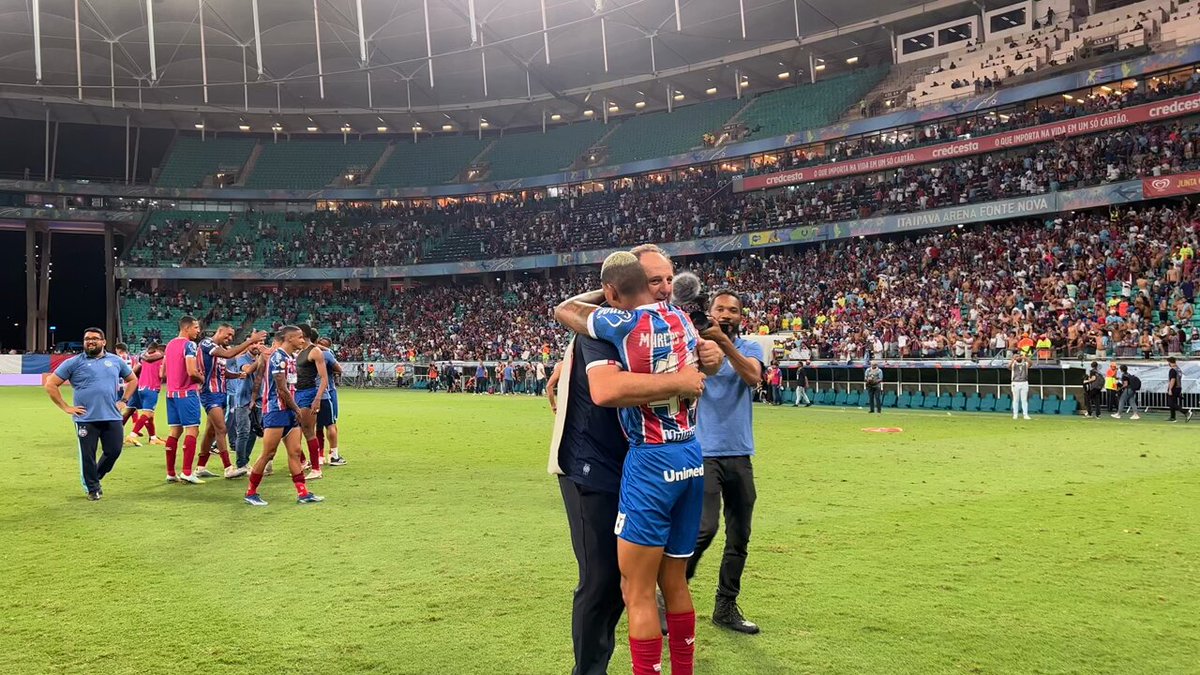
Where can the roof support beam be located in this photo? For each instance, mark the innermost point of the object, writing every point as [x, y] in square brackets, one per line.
[428, 41]
[37, 41]
[362, 35]
[79, 56]
[150, 30]
[204, 53]
[257, 37]
[320, 66]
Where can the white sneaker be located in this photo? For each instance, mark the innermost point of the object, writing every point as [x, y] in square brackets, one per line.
[172, 479]
[1115, 416]
[134, 440]
[269, 470]
[313, 475]
[190, 479]
[1135, 416]
[203, 472]
[1015, 416]
[236, 472]
[1028, 417]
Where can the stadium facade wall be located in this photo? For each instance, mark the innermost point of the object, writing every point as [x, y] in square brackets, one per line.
[1053, 202]
[1034, 90]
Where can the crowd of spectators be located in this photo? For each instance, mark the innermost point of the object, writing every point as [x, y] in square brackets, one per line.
[1119, 283]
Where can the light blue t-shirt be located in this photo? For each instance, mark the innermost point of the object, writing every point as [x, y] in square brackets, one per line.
[95, 381]
[725, 424]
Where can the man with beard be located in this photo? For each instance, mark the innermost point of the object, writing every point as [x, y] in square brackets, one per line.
[726, 436]
[97, 409]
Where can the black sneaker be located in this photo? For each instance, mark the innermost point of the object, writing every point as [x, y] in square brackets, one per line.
[1189, 416]
[662, 611]
[93, 495]
[337, 461]
[727, 614]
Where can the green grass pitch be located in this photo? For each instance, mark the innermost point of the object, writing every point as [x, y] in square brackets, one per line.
[966, 544]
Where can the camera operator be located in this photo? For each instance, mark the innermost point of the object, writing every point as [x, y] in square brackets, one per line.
[726, 438]
[874, 383]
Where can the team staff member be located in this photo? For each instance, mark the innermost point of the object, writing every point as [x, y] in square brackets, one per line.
[587, 451]
[726, 433]
[96, 408]
[1175, 390]
[242, 398]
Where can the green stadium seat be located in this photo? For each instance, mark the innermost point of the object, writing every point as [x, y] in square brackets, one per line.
[930, 402]
[822, 397]
[945, 401]
[788, 396]
[987, 403]
[840, 398]
[889, 399]
[917, 400]
[656, 135]
[1003, 403]
[972, 403]
[959, 401]
[431, 161]
[807, 106]
[538, 154]
[192, 160]
[1035, 404]
[904, 400]
[856, 398]
[310, 165]
[1068, 406]
[1050, 404]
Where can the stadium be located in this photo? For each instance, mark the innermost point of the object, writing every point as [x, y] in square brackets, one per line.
[892, 253]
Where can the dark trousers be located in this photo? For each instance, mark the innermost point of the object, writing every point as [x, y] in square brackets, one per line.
[1112, 396]
[875, 398]
[244, 438]
[598, 604]
[1173, 402]
[1093, 402]
[108, 436]
[731, 479]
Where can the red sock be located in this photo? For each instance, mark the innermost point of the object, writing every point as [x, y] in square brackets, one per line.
[172, 446]
[202, 460]
[189, 454]
[301, 489]
[647, 655]
[255, 479]
[225, 458]
[314, 456]
[321, 447]
[138, 423]
[150, 424]
[682, 631]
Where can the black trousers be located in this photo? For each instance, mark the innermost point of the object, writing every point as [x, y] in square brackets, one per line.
[108, 436]
[730, 479]
[875, 398]
[1093, 402]
[1174, 404]
[598, 604]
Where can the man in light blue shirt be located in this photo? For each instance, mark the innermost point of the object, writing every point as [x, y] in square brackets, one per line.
[241, 393]
[726, 436]
[95, 375]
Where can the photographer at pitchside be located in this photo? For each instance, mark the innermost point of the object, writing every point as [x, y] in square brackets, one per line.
[726, 435]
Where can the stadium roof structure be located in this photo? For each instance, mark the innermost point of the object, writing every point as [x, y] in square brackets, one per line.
[371, 65]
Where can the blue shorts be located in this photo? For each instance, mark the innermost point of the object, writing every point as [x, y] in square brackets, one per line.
[333, 406]
[135, 401]
[147, 399]
[185, 411]
[305, 397]
[212, 400]
[280, 419]
[662, 496]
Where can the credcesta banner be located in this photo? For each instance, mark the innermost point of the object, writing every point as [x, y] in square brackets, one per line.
[1170, 186]
[1079, 126]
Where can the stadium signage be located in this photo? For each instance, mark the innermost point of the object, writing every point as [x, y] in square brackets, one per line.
[1169, 186]
[1176, 107]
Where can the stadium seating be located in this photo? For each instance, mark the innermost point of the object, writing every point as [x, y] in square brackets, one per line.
[1050, 405]
[930, 402]
[1004, 403]
[311, 165]
[192, 160]
[1035, 404]
[972, 403]
[1068, 406]
[917, 400]
[904, 400]
[431, 161]
[839, 399]
[889, 399]
[808, 106]
[663, 134]
[537, 154]
[945, 401]
[959, 401]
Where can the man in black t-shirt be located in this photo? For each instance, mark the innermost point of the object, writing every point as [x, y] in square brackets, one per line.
[1130, 386]
[1175, 390]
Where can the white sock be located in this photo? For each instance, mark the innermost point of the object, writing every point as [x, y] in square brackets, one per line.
[333, 452]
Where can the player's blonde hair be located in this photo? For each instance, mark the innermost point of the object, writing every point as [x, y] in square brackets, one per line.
[623, 272]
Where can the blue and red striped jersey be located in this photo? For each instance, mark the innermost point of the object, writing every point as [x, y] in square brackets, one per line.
[278, 362]
[658, 338]
[212, 367]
